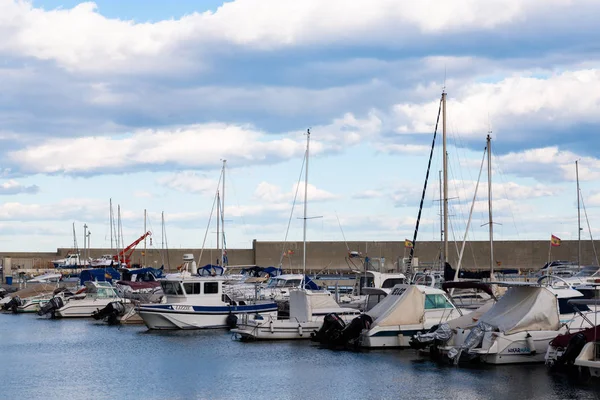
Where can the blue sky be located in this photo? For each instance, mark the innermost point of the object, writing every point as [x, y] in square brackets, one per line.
[139, 101]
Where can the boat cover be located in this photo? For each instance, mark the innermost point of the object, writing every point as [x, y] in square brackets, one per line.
[524, 308]
[303, 303]
[210, 270]
[140, 285]
[591, 334]
[470, 319]
[32, 291]
[405, 305]
[107, 274]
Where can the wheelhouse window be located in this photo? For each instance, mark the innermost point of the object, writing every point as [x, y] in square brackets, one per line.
[211, 287]
[391, 282]
[192, 287]
[435, 301]
[293, 283]
[172, 288]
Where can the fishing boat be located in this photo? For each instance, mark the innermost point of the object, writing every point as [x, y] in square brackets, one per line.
[198, 302]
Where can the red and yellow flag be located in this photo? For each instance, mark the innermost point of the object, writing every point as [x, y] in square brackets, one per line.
[408, 244]
[554, 241]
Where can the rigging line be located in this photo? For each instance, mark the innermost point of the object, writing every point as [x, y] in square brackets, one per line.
[287, 231]
[237, 200]
[502, 176]
[589, 227]
[414, 241]
[210, 217]
[344, 236]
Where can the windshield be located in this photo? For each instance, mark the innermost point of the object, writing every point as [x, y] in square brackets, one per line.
[587, 271]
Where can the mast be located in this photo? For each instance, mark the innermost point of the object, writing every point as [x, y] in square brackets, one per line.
[218, 218]
[445, 180]
[578, 216]
[84, 240]
[222, 216]
[441, 225]
[491, 226]
[305, 207]
[75, 240]
[110, 216]
[145, 230]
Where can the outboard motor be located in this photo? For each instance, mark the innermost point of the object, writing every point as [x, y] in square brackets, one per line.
[110, 313]
[437, 335]
[576, 344]
[231, 321]
[351, 332]
[3, 293]
[13, 304]
[330, 331]
[52, 305]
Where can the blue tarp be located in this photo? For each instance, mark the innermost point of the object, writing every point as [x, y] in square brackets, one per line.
[210, 270]
[257, 271]
[142, 273]
[99, 274]
[310, 284]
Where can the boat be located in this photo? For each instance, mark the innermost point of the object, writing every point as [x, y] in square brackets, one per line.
[105, 260]
[83, 305]
[516, 329]
[14, 300]
[567, 352]
[48, 277]
[308, 309]
[194, 298]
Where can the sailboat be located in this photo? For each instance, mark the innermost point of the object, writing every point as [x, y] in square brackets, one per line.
[308, 308]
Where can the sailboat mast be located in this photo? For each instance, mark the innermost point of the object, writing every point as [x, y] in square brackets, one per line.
[491, 226]
[441, 225]
[445, 180]
[222, 216]
[145, 230]
[218, 222]
[305, 206]
[110, 216]
[578, 216]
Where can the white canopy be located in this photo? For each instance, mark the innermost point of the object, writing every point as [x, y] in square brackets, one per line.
[524, 308]
[405, 305]
[471, 318]
[304, 302]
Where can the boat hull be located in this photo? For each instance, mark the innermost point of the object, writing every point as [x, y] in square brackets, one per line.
[186, 316]
[81, 308]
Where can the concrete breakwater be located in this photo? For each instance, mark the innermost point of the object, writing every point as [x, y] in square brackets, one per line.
[333, 256]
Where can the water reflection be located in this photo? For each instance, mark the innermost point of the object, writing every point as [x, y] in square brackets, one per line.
[71, 359]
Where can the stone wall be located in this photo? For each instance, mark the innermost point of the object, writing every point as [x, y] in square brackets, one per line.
[333, 256]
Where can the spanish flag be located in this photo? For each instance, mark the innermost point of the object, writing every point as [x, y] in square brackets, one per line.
[408, 244]
[107, 275]
[554, 241]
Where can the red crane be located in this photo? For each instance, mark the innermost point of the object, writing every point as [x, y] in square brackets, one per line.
[125, 254]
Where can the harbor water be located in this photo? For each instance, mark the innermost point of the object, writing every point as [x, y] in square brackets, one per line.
[85, 359]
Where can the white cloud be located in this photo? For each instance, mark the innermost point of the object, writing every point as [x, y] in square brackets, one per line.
[550, 164]
[369, 194]
[196, 146]
[190, 182]
[512, 105]
[13, 187]
[81, 38]
[272, 193]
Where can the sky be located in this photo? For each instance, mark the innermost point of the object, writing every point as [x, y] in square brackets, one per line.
[139, 102]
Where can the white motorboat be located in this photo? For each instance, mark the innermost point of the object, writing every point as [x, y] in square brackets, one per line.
[105, 260]
[408, 309]
[518, 328]
[194, 299]
[96, 297]
[48, 277]
[308, 309]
